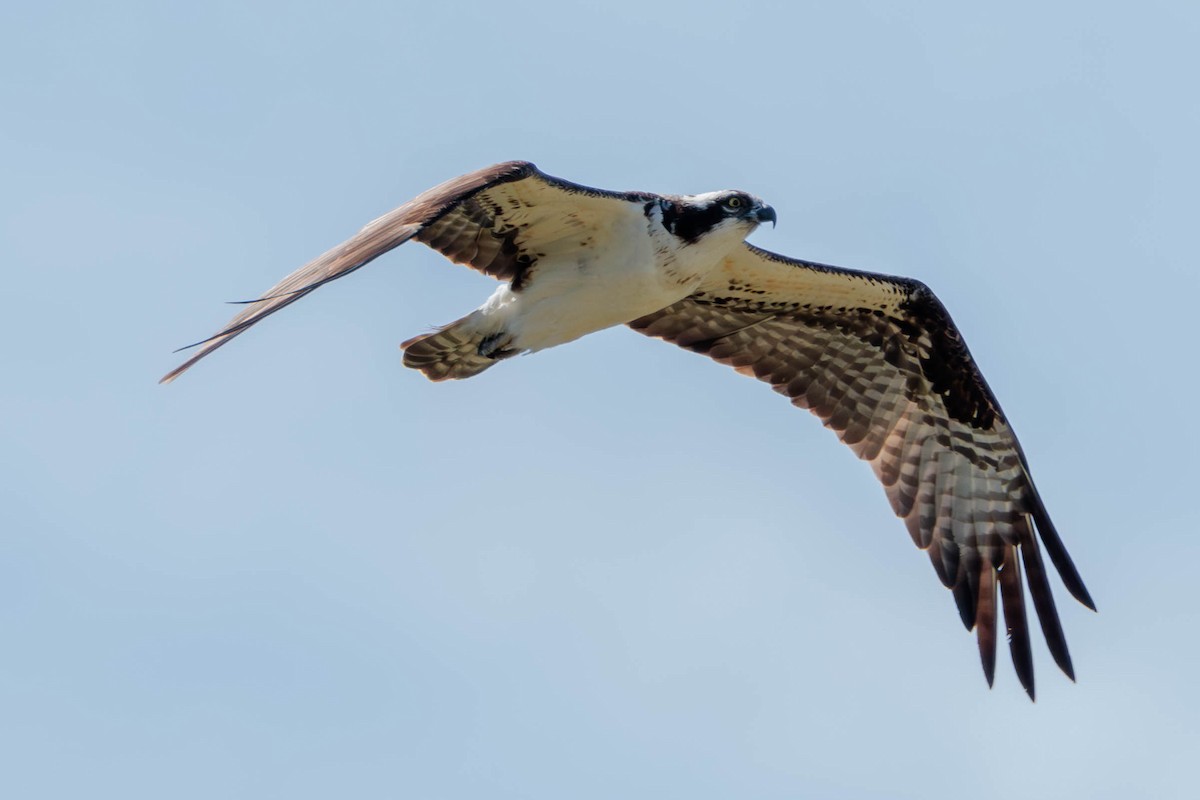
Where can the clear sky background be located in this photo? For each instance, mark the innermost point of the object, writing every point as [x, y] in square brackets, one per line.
[610, 570]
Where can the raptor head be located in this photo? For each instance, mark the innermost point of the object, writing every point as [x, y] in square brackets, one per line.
[696, 216]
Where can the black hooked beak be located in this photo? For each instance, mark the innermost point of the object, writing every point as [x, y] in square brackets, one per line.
[765, 213]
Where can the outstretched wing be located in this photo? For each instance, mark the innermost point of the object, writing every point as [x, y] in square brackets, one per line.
[499, 220]
[879, 360]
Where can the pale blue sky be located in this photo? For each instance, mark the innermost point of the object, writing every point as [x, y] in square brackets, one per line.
[614, 569]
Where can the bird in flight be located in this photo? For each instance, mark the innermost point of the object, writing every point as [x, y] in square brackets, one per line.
[876, 358]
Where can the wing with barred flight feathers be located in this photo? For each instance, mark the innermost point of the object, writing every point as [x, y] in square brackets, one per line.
[499, 220]
[880, 362]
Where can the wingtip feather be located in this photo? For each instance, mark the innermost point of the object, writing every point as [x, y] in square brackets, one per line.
[985, 624]
[1057, 551]
[1043, 603]
[1012, 595]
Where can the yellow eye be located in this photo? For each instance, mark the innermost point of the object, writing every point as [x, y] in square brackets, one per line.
[734, 202]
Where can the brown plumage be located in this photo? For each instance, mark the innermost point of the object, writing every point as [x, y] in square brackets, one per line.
[876, 358]
[880, 362]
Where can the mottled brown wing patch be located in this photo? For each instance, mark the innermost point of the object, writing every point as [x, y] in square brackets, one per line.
[376, 238]
[893, 379]
[476, 233]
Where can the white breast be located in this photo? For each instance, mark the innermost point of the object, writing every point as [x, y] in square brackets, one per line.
[629, 271]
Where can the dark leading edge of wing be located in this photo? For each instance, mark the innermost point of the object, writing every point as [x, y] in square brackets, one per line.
[880, 362]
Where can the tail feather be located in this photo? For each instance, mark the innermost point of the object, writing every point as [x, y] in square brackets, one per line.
[453, 352]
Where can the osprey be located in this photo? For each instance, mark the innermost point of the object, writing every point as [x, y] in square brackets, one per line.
[876, 358]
